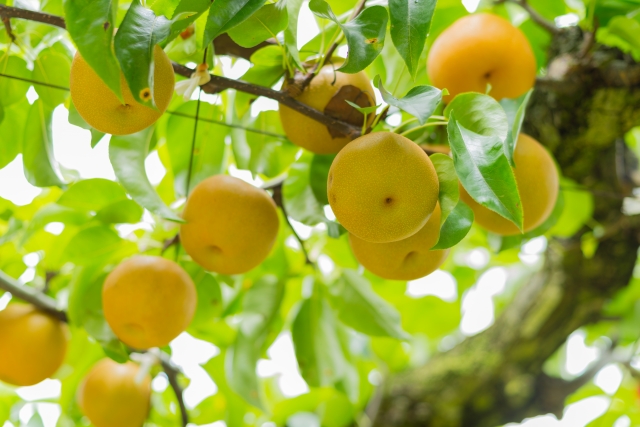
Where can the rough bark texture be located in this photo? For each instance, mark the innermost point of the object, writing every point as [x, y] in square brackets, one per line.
[581, 110]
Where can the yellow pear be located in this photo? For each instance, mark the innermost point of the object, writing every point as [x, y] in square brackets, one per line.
[230, 226]
[148, 301]
[314, 136]
[33, 345]
[382, 187]
[537, 178]
[100, 107]
[110, 396]
[406, 259]
[479, 50]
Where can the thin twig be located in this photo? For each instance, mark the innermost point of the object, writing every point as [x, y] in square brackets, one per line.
[7, 26]
[193, 145]
[39, 300]
[326, 58]
[230, 125]
[277, 197]
[35, 82]
[217, 83]
[172, 375]
[30, 15]
[535, 16]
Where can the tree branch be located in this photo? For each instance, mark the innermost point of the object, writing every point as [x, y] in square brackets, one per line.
[535, 16]
[277, 197]
[30, 15]
[172, 375]
[41, 301]
[217, 83]
[7, 26]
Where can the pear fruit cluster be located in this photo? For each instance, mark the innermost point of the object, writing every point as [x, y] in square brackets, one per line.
[484, 52]
[383, 189]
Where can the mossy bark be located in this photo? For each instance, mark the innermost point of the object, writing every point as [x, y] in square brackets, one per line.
[580, 111]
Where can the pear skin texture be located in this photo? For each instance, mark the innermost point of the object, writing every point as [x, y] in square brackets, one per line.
[310, 134]
[32, 345]
[538, 184]
[382, 187]
[100, 107]
[110, 397]
[406, 259]
[148, 301]
[231, 226]
[481, 49]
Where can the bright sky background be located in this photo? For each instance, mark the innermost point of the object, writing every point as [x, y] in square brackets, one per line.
[72, 149]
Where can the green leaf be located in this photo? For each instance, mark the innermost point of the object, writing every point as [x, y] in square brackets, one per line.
[449, 193]
[226, 14]
[135, 41]
[53, 68]
[365, 34]
[186, 13]
[484, 171]
[121, 212]
[266, 23]
[259, 309]
[363, 310]
[421, 101]
[13, 90]
[318, 175]
[234, 404]
[91, 25]
[209, 152]
[622, 32]
[127, 155]
[40, 168]
[92, 194]
[261, 74]
[298, 196]
[209, 305]
[577, 210]
[96, 245]
[291, 32]
[316, 343]
[410, 24]
[54, 213]
[270, 155]
[480, 114]
[363, 110]
[85, 308]
[456, 227]
[515, 110]
[12, 131]
[77, 120]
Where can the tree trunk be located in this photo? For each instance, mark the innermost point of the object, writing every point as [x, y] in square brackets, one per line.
[580, 111]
